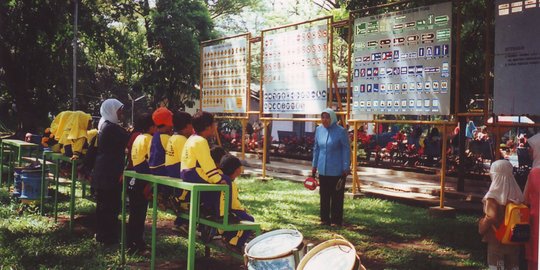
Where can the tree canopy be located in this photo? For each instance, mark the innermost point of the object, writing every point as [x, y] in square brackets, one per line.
[152, 47]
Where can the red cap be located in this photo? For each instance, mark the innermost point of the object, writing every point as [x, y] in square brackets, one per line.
[162, 117]
[311, 183]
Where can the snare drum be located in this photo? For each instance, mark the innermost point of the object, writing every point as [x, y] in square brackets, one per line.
[335, 254]
[274, 250]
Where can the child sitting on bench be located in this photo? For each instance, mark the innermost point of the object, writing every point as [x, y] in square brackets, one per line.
[232, 168]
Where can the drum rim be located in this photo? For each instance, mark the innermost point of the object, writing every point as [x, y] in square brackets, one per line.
[268, 234]
[322, 246]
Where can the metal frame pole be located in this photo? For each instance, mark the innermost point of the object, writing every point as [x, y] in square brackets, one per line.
[356, 182]
[443, 165]
[75, 45]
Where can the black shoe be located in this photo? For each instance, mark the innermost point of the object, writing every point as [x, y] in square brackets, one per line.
[207, 233]
[137, 247]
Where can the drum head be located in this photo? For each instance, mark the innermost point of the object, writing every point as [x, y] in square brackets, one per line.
[274, 244]
[335, 257]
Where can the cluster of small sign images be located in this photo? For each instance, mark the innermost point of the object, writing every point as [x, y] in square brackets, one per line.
[514, 7]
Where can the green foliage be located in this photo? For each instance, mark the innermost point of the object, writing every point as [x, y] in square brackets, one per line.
[173, 69]
[124, 46]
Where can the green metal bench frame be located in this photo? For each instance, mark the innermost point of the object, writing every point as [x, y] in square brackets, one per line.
[15, 146]
[194, 217]
[56, 158]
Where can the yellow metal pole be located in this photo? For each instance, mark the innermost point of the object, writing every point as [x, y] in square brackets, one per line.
[356, 182]
[443, 165]
[265, 146]
[243, 138]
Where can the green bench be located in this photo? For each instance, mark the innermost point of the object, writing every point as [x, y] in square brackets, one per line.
[193, 216]
[11, 147]
[56, 158]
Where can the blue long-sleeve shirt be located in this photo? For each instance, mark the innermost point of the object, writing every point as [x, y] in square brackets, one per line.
[331, 150]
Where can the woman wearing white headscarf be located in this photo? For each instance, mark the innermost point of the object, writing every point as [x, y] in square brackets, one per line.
[503, 189]
[108, 168]
[532, 198]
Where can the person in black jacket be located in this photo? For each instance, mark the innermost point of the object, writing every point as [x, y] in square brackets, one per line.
[108, 169]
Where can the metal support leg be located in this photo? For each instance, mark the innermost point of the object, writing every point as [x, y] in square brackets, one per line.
[72, 195]
[123, 228]
[56, 181]
[1, 163]
[43, 177]
[193, 217]
[154, 225]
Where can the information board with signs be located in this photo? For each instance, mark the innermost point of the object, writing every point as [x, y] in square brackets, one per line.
[295, 70]
[225, 76]
[517, 57]
[402, 62]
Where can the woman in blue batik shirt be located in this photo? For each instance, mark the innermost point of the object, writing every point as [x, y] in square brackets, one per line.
[332, 158]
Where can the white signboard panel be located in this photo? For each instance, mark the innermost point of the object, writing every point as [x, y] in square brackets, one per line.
[224, 76]
[295, 71]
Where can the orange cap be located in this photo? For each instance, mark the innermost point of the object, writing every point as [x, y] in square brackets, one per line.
[162, 116]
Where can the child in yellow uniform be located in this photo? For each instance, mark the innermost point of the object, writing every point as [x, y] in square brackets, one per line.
[183, 129]
[138, 204]
[232, 168]
[163, 120]
[197, 164]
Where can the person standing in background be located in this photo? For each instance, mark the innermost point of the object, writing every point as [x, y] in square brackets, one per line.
[108, 169]
[503, 190]
[332, 158]
[532, 197]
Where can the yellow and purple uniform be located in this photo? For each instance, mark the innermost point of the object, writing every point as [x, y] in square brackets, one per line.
[235, 238]
[138, 203]
[140, 152]
[197, 163]
[199, 167]
[156, 161]
[173, 154]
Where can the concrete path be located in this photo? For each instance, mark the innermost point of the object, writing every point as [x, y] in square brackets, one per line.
[404, 186]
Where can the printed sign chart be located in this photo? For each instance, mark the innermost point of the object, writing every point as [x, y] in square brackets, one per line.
[295, 73]
[224, 77]
[517, 57]
[402, 62]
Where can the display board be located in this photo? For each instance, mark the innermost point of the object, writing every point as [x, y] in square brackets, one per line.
[402, 62]
[295, 70]
[517, 57]
[224, 76]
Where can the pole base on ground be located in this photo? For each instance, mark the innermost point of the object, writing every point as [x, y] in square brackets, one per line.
[445, 212]
[356, 195]
[264, 179]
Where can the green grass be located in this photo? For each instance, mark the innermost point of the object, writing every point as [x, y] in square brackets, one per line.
[387, 235]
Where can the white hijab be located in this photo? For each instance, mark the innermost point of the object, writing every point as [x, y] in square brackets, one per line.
[503, 186]
[108, 111]
[534, 143]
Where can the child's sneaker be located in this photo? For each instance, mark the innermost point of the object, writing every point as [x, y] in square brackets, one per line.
[207, 233]
[182, 228]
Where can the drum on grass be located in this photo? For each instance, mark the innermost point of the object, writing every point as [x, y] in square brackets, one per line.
[335, 254]
[31, 184]
[274, 250]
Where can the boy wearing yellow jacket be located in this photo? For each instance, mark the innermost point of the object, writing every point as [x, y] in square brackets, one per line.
[197, 164]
